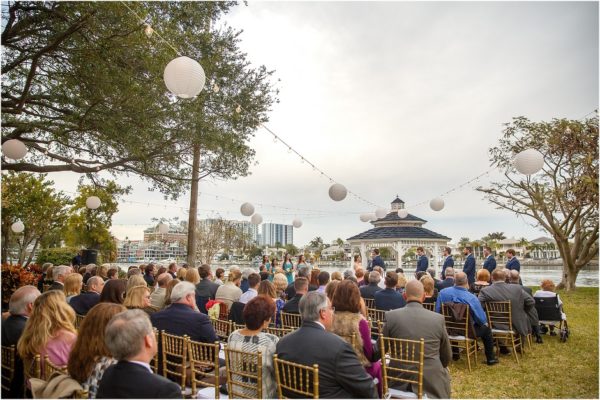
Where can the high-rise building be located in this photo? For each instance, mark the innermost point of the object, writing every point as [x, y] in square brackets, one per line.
[273, 233]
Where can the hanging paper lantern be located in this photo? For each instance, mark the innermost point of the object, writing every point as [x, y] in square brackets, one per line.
[337, 192]
[529, 161]
[372, 217]
[297, 223]
[163, 228]
[256, 219]
[184, 77]
[14, 149]
[436, 204]
[402, 213]
[380, 213]
[93, 202]
[17, 227]
[247, 209]
[365, 217]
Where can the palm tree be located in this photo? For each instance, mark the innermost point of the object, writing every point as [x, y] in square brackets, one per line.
[463, 242]
[523, 243]
[317, 242]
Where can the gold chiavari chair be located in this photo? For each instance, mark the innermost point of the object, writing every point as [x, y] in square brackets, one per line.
[300, 380]
[174, 357]
[244, 374]
[50, 368]
[461, 335]
[78, 320]
[499, 315]
[155, 360]
[235, 326]
[290, 320]
[376, 315]
[8, 366]
[279, 332]
[222, 328]
[204, 364]
[351, 339]
[402, 363]
[429, 306]
[370, 303]
[32, 368]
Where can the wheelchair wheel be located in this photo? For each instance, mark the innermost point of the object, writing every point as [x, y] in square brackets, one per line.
[564, 334]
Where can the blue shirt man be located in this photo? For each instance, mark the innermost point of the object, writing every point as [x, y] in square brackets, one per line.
[490, 261]
[469, 266]
[422, 261]
[448, 261]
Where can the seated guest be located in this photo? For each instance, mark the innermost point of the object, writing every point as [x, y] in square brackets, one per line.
[547, 290]
[90, 356]
[102, 272]
[90, 270]
[182, 318]
[448, 282]
[428, 287]
[135, 280]
[313, 283]
[138, 297]
[244, 282]
[257, 316]
[267, 288]
[113, 291]
[112, 273]
[323, 279]
[482, 280]
[401, 283]
[348, 320]
[169, 290]
[86, 300]
[360, 276]
[172, 270]
[192, 276]
[381, 283]
[341, 374]
[431, 272]
[20, 307]
[46, 278]
[459, 293]
[219, 276]
[160, 270]
[368, 291]
[263, 273]
[515, 278]
[330, 289]
[133, 271]
[230, 291]
[415, 322]
[49, 330]
[149, 274]
[302, 272]
[181, 273]
[389, 298]
[157, 298]
[253, 282]
[280, 285]
[349, 273]
[73, 285]
[59, 275]
[130, 339]
[300, 289]
[206, 288]
[336, 276]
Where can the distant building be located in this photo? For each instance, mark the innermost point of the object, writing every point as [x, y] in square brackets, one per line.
[245, 227]
[273, 233]
[132, 251]
[544, 248]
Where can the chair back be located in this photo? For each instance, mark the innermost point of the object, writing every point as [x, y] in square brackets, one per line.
[296, 379]
[78, 320]
[9, 355]
[376, 315]
[50, 368]
[499, 315]
[222, 328]
[429, 306]
[548, 308]
[349, 338]
[156, 359]
[455, 325]
[244, 374]
[279, 332]
[290, 320]
[204, 363]
[405, 358]
[174, 357]
[370, 303]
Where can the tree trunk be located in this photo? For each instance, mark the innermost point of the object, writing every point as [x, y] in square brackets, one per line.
[193, 215]
[569, 275]
[32, 253]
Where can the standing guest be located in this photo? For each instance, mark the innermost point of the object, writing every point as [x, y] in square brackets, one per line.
[389, 298]
[73, 285]
[429, 289]
[377, 261]
[323, 280]
[257, 316]
[469, 266]
[131, 341]
[219, 276]
[267, 288]
[206, 289]
[157, 298]
[300, 289]
[90, 356]
[348, 320]
[360, 276]
[330, 289]
[336, 276]
[288, 268]
[181, 273]
[77, 260]
[515, 278]
[244, 283]
[88, 299]
[422, 260]
[341, 374]
[301, 272]
[192, 276]
[253, 282]
[149, 274]
[313, 283]
[483, 280]
[168, 292]
[448, 281]
[513, 262]
[172, 270]
[357, 263]
[368, 292]
[20, 307]
[138, 297]
[490, 262]
[113, 273]
[230, 291]
[59, 274]
[414, 322]
[49, 331]
[114, 291]
[448, 261]
[268, 267]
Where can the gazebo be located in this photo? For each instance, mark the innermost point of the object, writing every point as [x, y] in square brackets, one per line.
[400, 234]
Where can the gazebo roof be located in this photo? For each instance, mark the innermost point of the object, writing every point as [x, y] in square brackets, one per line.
[393, 216]
[397, 200]
[398, 232]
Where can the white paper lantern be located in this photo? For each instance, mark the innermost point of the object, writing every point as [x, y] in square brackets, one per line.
[372, 217]
[380, 213]
[247, 209]
[93, 202]
[297, 223]
[14, 149]
[256, 219]
[337, 192]
[163, 228]
[436, 204]
[365, 217]
[529, 161]
[184, 77]
[402, 213]
[17, 227]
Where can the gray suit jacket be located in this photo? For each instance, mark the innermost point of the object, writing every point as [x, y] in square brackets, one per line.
[522, 305]
[414, 322]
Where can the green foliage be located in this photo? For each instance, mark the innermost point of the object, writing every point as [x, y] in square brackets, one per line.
[385, 253]
[57, 255]
[291, 249]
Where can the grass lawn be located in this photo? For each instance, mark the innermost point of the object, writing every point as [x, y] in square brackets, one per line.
[549, 370]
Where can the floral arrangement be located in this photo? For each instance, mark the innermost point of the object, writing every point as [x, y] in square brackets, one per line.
[15, 276]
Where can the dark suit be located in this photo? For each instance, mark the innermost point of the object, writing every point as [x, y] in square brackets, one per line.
[149, 279]
[414, 322]
[422, 263]
[368, 291]
[521, 303]
[291, 306]
[57, 286]
[84, 302]
[207, 288]
[490, 263]
[12, 329]
[446, 283]
[469, 268]
[341, 374]
[448, 262]
[179, 319]
[377, 261]
[290, 291]
[388, 299]
[129, 380]
[513, 263]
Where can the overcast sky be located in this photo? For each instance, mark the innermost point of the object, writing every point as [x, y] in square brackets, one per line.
[394, 98]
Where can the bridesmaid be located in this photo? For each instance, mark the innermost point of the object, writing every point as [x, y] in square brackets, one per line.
[268, 267]
[301, 261]
[288, 268]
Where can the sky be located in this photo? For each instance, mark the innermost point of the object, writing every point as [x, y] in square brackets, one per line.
[392, 98]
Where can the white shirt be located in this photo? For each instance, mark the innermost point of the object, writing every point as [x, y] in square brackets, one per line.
[322, 326]
[248, 295]
[143, 364]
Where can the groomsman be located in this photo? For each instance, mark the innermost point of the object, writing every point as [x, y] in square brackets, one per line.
[490, 261]
[513, 262]
[422, 261]
[448, 261]
[469, 266]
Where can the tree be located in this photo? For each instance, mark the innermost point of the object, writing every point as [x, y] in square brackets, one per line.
[33, 200]
[339, 242]
[493, 236]
[219, 234]
[562, 198]
[464, 242]
[317, 242]
[291, 249]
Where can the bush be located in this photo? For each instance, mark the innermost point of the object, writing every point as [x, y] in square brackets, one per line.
[13, 277]
[57, 255]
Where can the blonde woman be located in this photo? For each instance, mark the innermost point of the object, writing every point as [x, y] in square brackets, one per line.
[48, 331]
[181, 273]
[336, 276]
[138, 297]
[73, 285]
[135, 280]
[192, 276]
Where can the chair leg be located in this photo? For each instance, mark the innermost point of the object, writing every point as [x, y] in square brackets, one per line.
[468, 351]
[512, 340]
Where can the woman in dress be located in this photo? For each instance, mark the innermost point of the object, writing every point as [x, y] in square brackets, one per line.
[301, 261]
[268, 267]
[90, 356]
[288, 268]
[357, 262]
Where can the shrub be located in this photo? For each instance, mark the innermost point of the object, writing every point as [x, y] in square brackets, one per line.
[14, 276]
[57, 255]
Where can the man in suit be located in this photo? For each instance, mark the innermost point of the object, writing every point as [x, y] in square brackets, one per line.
[448, 281]
[130, 339]
[422, 260]
[20, 306]
[182, 316]
[83, 303]
[515, 278]
[172, 270]
[59, 274]
[469, 266]
[490, 261]
[149, 274]
[513, 262]
[206, 289]
[300, 289]
[157, 298]
[341, 374]
[302, 272]
[448, 261]
[377, 261]
[368, 291]
[414, 322]
[389, 298]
